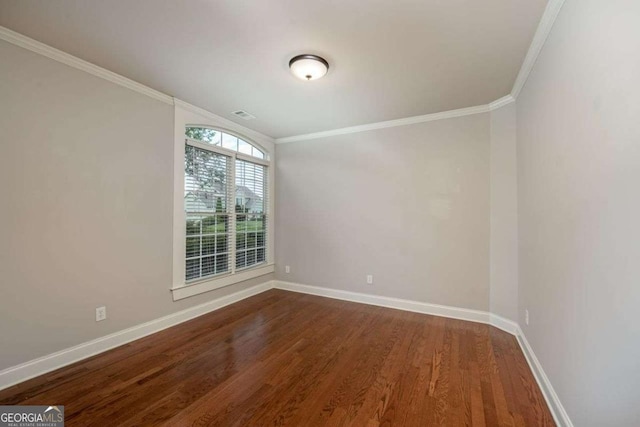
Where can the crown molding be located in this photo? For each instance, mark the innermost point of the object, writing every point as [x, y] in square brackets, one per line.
[223, 122]
[388, 124]
[505, 100]
[540, 37]
[542, 32]
[80, 64]
[35, 46]
[501, 102]
[200, 111]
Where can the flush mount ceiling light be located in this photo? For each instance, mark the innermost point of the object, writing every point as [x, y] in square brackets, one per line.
[308, 67]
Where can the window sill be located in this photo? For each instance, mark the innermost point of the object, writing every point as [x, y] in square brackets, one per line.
[185, 291]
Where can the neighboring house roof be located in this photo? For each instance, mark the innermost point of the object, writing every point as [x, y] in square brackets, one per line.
[246, 193]
[207, 200]
[202, 200]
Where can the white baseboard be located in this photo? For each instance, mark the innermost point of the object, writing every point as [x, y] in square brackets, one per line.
[382, 301]
[51, 362]
[504, 324]
[403, 304]
[553, 401]
[557, 410]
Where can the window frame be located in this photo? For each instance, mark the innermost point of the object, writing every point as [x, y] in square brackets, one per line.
[232, 214]
[189, 116]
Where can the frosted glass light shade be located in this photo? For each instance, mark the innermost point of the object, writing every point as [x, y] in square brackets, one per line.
[308, 67]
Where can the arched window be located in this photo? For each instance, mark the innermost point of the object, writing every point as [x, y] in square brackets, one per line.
[225, 201]
[222, 139]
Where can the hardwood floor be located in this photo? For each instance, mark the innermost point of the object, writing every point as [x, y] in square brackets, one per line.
[282, 358]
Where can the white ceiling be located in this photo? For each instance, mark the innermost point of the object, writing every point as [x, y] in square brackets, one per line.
[389, 59]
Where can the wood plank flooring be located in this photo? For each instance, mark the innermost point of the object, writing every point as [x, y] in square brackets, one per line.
[283, 358]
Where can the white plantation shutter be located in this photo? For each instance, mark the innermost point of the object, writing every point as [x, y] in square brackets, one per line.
[207, 196]
[225, 202]
[250, 217]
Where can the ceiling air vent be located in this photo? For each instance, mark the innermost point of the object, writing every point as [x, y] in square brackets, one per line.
[243, 115]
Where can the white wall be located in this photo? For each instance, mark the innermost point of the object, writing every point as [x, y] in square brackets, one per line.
[408, 204]
[579, 210]
[86, 185]
[504, 214]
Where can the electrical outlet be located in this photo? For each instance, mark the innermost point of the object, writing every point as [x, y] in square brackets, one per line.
[101, 313]
[287, 269]
[526, 317]
[369, 279]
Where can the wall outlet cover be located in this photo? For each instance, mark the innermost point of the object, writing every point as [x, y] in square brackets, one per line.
[101, 313]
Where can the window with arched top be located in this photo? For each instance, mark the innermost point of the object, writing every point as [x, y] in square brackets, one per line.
[225, 140]
[225, 202]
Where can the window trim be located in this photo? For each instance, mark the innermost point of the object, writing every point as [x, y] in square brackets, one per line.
[233, 156]
[225, 151]
[206, 285]
[191, 116]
